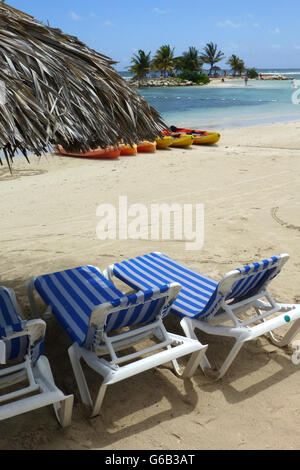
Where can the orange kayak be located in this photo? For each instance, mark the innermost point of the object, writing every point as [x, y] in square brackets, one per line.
[109, 152]
[146, 146]
[128, 149]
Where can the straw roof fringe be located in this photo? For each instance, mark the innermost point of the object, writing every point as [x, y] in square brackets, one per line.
[59, 91]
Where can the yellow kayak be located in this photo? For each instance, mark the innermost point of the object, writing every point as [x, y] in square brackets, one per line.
[200, 137]
[183, 140]
[209, 138]
[164, 142]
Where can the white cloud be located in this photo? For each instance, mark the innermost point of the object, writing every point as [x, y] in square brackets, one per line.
[74, 16]
[256, 25]
[276, 46]
[161, 12]
[231, 47]
[275, 31]
[229, 24]
[108, 23]
[297, 47]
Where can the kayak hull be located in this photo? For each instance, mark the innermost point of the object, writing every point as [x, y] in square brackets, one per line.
[210, 138]
[164, 142]
[182, 141]
[200, 137]
[98, 153]
[146, 147]
[128, 150]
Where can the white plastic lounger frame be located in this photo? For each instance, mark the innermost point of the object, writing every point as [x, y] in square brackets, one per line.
[98, 329]
[34, 370]
[206, 305]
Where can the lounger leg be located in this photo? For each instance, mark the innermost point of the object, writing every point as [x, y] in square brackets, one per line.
[74, 354]
[99, 400]
[230, 358]
[64, 405]
[194, 362]
[188, 328]
[289, 335]
[176, 367]
[189, 331]
[63, 411]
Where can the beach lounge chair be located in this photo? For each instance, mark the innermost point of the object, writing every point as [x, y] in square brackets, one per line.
[26, 380]
[95, 315]
[209, 306]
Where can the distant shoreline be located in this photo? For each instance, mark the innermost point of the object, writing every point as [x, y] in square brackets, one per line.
[176, 82]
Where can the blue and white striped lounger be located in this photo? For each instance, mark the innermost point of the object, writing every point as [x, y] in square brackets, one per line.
[204, 303]
[94, 313]
[23, 341]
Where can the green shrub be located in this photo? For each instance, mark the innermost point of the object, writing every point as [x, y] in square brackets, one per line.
[252, 73]
[194, 77]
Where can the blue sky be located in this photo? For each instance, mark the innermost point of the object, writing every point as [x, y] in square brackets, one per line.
[264, 33]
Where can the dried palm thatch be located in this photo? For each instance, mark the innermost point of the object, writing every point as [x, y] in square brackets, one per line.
[59, 91]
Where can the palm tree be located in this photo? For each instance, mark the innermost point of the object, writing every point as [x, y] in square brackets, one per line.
[237, 65]
[189, 60]
[163, 60]
[211, 55]
[141, 64]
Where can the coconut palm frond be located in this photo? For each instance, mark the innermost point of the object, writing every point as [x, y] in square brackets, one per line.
[59, 91]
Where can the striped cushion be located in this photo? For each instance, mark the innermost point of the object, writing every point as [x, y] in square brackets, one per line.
[257, 275]
[199, 296]
[73, 295]
[10, 322]
[142, 308]
[155, 269]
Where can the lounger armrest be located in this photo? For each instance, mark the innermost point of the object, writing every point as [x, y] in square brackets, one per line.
[99, 315]
[108, 273]
[174, 290]
[34, 329]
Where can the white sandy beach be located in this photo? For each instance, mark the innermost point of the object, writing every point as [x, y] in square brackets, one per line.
[250, 186]
[237, 82]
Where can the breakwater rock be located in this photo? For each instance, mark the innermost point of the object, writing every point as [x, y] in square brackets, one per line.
[161, 82]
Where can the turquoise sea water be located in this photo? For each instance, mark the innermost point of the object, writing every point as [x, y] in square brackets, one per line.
[228, 106]
[232, 105]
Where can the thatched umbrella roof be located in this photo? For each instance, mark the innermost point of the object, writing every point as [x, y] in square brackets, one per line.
[59, 91]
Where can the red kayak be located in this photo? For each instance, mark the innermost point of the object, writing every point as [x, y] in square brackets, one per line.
[109, 152]
[187, 131]
[200, 137]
